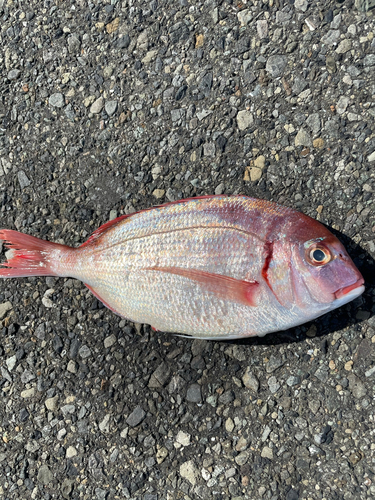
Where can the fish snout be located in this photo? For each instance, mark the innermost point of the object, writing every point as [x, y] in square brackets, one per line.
[354, 282]
[355, 289]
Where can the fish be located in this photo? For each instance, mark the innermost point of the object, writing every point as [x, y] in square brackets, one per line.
[210, 267]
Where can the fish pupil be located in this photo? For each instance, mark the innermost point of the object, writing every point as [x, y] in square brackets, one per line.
[318, 255]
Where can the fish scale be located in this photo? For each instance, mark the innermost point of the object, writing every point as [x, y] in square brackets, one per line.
[211, 267]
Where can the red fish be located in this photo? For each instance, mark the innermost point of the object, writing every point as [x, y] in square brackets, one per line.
[213, 267]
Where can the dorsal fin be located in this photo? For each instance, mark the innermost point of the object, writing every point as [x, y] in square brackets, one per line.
[98, 232]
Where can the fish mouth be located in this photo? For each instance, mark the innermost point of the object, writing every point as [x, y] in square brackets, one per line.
[353, 290]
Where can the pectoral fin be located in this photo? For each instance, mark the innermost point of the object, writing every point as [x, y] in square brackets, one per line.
[225, 287]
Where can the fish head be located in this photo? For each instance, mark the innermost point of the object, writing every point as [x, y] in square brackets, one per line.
[323, 273]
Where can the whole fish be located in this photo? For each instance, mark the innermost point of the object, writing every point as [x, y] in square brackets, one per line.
[213, 267]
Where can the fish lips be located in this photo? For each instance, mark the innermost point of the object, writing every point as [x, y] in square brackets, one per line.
[350, 292]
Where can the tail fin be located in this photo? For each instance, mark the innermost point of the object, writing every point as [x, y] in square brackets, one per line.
[27, 255]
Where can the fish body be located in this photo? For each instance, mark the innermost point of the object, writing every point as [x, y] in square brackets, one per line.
[213, 267]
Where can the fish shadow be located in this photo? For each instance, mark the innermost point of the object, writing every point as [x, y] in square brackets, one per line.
[337, 319]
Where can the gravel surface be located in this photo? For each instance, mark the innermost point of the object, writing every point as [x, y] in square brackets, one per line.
[107, 108]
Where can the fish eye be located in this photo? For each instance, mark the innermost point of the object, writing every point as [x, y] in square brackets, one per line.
[319, 255]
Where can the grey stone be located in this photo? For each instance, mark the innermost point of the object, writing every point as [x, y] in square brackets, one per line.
[181, 92]
[266, 433]
[227, 397]
[276, 65]
[202, 114]
[123, 42]
[101, 494]
[368, 60]
[194, 394]
[282, 16]
[244, 17]
[354, 71]
[14, 74]
[356, 386]
[84, 352]
[331, 64]
[23, 179]
[293, 380]
[332, 128]
[104, 425]
[214, 12]
[5, 374]
[205, 84]
[243, 44]
[71, 452]
[262, 28]
[4, 308]
[27, 376]
[209, 149]
[238, 351]
[273, 364]
[364, 5]
[189, 471]
[250, 380]
[336, 21]
[97, 106]
[160, 376]
[176, 384]
[273, 384]
[51, 403]
[370, 372]
[292, 495]
[24, 415]
[5, 166]
[170, 194]
[342, 104]
[57, 344]
[331, 38]
[110, 107]
[313, 122]
[344, 46]
[301, 5]
[219, 189]
[244, 119]
[267, 453]
[149, 57]
[40, 331]
[299, 84]
[45, 476]
[108, 71]
[249, 74]
[11, 362]
[321, 437]
[242, 458]
[67, 488]
[176, 115]
[72, 366]
[110, 341]
[136, 417]
[56, 100]
[74, 44]
[322, 373]
[302, 138]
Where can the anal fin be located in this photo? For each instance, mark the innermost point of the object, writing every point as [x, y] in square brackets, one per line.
[97, 295]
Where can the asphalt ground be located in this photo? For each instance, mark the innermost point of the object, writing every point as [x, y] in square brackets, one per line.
[108, 108]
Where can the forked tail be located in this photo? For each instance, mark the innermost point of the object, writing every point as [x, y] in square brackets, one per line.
[27, 255]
